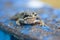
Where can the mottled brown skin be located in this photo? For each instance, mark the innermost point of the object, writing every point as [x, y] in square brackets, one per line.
[31, 20]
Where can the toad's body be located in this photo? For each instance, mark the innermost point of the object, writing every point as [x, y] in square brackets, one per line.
[27, 18]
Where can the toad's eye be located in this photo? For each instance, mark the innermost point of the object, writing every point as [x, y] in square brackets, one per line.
[26, 16]
[33, 13]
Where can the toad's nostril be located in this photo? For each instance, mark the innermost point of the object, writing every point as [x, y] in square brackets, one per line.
[35, 14]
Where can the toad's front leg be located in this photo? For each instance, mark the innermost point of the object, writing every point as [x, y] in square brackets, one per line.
[20, 21]
[17, 22]
[41, 23]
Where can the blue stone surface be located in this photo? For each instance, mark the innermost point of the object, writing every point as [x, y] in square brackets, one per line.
[7, 11]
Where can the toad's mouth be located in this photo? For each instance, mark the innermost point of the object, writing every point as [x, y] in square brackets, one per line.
[31, 20]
